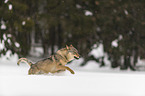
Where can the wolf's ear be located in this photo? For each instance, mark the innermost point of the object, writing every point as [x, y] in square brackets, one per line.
[67, 47]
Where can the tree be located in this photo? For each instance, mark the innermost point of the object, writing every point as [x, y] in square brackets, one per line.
[8, 40]
[82, 23]
[125, 19]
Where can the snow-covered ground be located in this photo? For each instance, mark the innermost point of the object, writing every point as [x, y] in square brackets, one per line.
[87, 81]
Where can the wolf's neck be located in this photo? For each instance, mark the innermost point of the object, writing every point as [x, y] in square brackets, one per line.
[63, 54]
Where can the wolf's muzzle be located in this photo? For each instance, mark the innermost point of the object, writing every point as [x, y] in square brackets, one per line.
[76, 57]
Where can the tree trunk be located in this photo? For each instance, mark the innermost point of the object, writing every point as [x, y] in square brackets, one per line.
[126, 63]
[52, 39]
[60, 34]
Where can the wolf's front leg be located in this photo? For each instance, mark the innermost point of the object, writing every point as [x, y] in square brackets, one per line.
[61, 67]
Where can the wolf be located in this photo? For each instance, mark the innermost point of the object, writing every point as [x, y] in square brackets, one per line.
[55, 63]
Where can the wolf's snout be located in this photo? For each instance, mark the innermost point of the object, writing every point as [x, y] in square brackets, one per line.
[77, 56]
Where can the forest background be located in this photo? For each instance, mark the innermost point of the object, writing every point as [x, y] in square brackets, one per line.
[118, 25]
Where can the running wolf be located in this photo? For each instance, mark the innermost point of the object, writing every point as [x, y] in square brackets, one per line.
[54, 63]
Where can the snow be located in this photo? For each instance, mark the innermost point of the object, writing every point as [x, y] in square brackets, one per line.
[98, 29]
[126, 12]
[114, 43]
[14, 81]
[9, 35]
[23, 23]
[3, 26]
[8, 57]
[78, 6]
[2, 45]
[88, 13]
[114, 10]
[36, 51]
[4, 37]
[97, 51]
[6, 1]
[10, 6]
[120, 37]
[89, 80]
[17, 44]
[83, 83]
[9, 41]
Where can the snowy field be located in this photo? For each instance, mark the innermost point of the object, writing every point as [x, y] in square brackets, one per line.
[87, 81]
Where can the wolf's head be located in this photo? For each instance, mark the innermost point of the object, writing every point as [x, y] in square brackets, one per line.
[72, 52]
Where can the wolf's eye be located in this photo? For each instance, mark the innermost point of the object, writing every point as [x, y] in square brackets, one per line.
[74, 53]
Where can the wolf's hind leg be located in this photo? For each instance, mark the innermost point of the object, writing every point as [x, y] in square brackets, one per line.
[34, 70]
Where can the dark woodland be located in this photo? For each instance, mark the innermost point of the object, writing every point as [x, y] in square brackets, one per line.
[53, 24]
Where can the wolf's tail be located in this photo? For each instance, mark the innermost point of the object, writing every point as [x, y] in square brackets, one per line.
[24, 60]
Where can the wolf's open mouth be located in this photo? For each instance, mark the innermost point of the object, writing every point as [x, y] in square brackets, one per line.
[76, 57]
